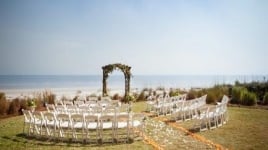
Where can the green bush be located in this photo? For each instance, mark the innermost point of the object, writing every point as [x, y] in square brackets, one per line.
[23, 104]
[249, 98]
[192, 94]
[265, 99]
[215, 93]
[129, 98]
[141, 97]
[31, 102]
[174, 93]
[135, 95]
[211, 98]
[3, 104]
[201, 93]
[116, 96]
[14, 107]
[237, 94]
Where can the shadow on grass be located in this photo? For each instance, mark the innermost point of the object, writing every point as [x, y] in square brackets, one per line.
[43, 141]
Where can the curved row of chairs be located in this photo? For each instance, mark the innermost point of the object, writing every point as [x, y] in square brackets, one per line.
[185, 110]
[177, 106]
[94, 101]
[90, 108]
[211, 117]
[98, 127]
[179, 109]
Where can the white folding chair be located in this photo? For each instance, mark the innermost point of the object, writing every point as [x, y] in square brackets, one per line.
[51, 124]
[72, 109]
[212, 118]
[79, 102]
[106, 130]
[61, 109]
[124, 109]
[178, 114]
[84, 109]
[77, 125]
[50, 107]
[64, 122]
[137, 125]
[28, 121]
[122, 127]
[92, 128]
[201, 122]
[68, 102]
[38, 122]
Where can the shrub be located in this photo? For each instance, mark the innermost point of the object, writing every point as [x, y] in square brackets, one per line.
[31, 102]
[249, 98]
[51, 98]
[14, 107]
[237, 94]
[3, 104]
[39, 103]
[174, 93]
[23, 104]
[116, 97]
[211, 98]
[201, 93]
[129, 98]
[48, 97]
[192, 94]
[135, 95]
[141, 96]
[265, 99]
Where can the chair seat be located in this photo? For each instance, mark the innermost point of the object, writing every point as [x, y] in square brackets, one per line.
[50, 123]
[107, 125]
[122, 125]
[92, 125]
[78, 125]
[64, 124]
[136, 123]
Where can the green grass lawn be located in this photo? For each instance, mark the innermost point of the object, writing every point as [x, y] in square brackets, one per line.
[246, 129]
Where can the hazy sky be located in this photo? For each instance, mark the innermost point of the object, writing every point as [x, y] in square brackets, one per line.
[154, 37]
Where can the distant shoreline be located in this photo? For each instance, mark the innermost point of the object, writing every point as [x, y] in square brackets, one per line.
[68, 85]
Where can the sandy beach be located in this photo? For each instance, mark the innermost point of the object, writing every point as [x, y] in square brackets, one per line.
[59, 92]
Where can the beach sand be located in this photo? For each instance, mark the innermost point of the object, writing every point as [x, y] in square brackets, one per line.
[59, 92]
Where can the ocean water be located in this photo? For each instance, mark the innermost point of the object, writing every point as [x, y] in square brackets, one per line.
[14, 85]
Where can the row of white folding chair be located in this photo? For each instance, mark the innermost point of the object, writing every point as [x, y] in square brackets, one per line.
[82, 102]
[166, 105]
[87, 109]
[65, 125]
[186, 110]
[211, 117]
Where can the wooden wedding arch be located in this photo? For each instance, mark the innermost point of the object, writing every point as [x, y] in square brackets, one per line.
[109, 69]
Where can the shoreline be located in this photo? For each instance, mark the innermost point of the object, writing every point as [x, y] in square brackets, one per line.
[74, 91]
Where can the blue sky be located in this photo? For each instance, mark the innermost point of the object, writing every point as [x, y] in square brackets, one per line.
[154, 37]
